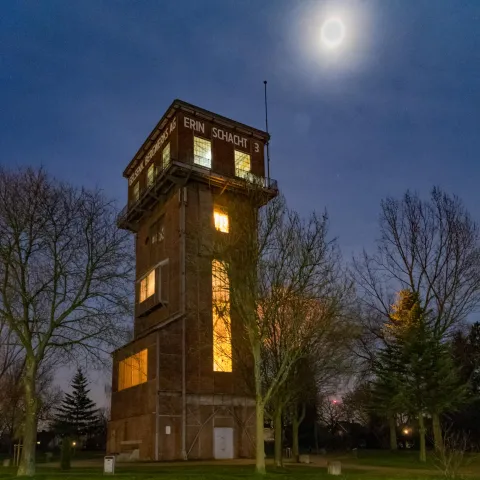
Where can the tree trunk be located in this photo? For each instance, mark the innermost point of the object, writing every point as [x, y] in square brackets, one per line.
[259, 413]
[393, 432]
[27, 462]
[296, 421]
[295, 448]
[437, 432]
[278, 436]
[315, 433]
[65, 463]
[421, 431]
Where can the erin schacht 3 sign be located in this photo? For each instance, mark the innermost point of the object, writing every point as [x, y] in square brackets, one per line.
[219, 133]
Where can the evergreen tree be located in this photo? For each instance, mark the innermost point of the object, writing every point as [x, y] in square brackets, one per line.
[78, 415]
[386, 390]
[415, 370]
[390, 364]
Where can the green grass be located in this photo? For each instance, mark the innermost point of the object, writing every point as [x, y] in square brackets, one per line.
[367, 465]
[406, 459]
[208, 472]
[401, 459]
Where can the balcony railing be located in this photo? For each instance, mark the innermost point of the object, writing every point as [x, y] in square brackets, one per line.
[153, 186]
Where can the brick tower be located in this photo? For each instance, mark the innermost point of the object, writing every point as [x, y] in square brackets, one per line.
[174, 395]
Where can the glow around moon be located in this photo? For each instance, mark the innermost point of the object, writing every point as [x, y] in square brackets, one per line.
[326, 40]
[333, 32]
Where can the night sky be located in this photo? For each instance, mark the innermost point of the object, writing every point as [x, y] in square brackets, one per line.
[397, 106]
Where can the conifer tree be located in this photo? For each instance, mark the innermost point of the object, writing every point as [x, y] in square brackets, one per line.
[386, 390]
[78, 414]
[415, 371]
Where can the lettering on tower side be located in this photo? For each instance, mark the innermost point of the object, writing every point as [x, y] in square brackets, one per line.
[229, 137]
[198, 126]
[153, 150]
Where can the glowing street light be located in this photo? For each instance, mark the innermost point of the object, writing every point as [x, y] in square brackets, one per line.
[333, 32]
[406, 431]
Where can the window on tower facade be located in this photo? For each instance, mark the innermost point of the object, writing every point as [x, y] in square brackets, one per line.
[220, 218]
[157, 232]
[242, 165]
[133, 370]
[222, 335]
[136, 191]
[166, 156]
[202, 152]
[147, 286]
[151, 174]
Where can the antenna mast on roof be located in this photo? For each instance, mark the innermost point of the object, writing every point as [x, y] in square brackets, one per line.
[266, 129]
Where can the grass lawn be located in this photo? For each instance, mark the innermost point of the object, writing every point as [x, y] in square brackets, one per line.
[401, 459]
[220, 472]
[374, 465]
[404, 460]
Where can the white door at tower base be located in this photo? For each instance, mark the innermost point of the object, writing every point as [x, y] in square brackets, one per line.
[223, 442]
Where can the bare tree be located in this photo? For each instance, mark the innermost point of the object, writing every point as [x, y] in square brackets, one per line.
[286, 288]
[12, 405]
[430, 248]
[453, 455]
[330, 413]
[65, 278]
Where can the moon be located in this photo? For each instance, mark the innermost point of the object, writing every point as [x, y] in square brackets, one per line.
[333, 32]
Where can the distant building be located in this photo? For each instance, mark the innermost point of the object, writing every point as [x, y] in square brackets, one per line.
[175, 392]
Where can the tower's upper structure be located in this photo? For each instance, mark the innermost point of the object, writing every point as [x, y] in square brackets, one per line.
[195, 144]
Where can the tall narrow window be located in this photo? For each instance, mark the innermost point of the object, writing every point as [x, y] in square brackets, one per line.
[220, 218]
[147, 286]
[133, 370]
[166, 156]
[157, 231]
[222, 335]
[136, 191]
[151, 174]
[202, 152]
[242, 165]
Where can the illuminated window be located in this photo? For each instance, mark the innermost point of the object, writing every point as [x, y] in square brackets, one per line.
[136, 191]
[147, 286]
[202, 152]
[242, 165]
[151, 174]
[221, 220]
[166, 156]
[222, 335]
[133, 370]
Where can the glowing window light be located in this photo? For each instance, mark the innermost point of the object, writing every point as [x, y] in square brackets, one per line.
[136, 191]
[151, 174]
[222, 336]
[147, 286]
[221, 220]
[242, 164]
[132, 371]
[202, 152]
[166, 156]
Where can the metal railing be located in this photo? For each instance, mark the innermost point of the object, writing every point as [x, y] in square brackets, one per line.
[202, 161]
[243, 176]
